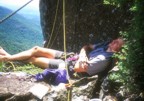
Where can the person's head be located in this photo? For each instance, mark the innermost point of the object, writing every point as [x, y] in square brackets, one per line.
[116, 44]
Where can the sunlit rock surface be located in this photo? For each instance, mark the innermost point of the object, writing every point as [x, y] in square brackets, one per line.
[20, 86]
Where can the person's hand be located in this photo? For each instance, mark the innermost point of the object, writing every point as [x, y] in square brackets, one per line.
[84, 65]
[81, 65]
[83, 58]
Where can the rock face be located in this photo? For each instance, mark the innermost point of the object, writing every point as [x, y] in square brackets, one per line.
[19, 86]
[13, 86]
[86, 21]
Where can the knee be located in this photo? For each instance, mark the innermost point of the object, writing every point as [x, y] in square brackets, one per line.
[32, 60]
[35, 49]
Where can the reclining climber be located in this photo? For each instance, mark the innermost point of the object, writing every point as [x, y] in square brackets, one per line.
[92, 59]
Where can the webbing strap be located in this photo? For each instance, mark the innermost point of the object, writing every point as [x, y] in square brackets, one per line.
[56, 35]
[4, 19]
[53, 24]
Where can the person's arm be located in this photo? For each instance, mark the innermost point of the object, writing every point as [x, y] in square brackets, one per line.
[82, 63]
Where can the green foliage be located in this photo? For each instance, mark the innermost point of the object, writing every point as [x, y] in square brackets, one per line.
[1, 66]
[17, 66]
[133, 8]
[136, 47]
[18, 33]
[29, 68]
[123, 74]
[130, 59]
[117, 3]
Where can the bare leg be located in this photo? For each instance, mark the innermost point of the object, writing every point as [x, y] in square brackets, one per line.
[33, 52]
[41, 62]
[3, 52]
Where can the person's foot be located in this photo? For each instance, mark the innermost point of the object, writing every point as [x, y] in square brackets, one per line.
[4, 58]
[1, 58]
[3, 52]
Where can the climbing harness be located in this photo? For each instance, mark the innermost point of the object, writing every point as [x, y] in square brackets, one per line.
[4, 19]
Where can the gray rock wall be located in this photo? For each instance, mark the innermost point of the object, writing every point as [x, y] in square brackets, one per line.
[86, 22]
[19, 86]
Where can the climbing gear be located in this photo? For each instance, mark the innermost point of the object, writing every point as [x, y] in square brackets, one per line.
[67, 55]
[55, 36]
[64, 32]
[53, 24]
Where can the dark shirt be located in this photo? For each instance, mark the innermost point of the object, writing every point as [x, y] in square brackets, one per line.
[98, 58]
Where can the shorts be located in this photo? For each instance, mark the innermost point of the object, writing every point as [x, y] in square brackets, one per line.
[58, 54]
[57, 62]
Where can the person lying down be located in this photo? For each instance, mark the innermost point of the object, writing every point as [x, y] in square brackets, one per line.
[92, 59]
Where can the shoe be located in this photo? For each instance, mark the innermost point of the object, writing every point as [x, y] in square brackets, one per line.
[67, 55]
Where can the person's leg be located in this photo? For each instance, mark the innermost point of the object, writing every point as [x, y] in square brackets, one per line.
[3, 52]
[33, 52]
[41, 62]
[46, 63]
